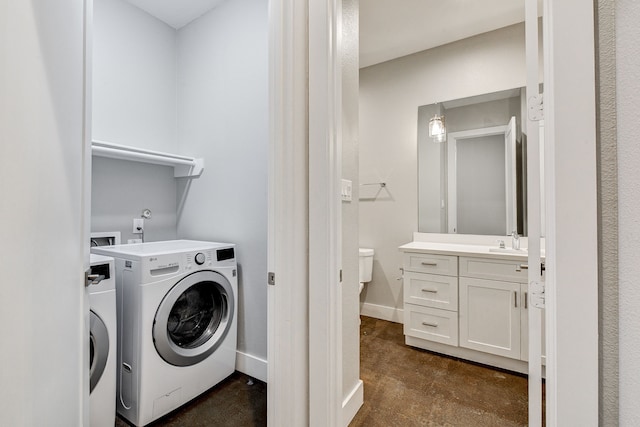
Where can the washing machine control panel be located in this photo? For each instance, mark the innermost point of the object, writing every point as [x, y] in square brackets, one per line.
[200, 258]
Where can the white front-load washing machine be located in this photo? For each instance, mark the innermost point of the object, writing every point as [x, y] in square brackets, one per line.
[102, 343]
[177, 327]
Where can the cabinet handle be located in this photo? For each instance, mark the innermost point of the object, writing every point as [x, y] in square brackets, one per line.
[524, 266]
[430, 264]
[526, 304]
[433, 291]
[433, 325]
[515, 298]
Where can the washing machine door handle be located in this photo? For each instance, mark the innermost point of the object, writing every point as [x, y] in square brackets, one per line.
[92, 279]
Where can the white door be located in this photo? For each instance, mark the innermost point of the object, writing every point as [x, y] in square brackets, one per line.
[44, 316]
[536, 296]
[288, 340]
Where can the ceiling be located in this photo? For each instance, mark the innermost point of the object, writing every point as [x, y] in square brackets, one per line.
[390, 29]
[176, 13]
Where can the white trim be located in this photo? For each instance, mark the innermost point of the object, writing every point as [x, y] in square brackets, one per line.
[352, 403]
[86, 194]
[511, 190]
[533, 215]
[467, 354]
[287, 341]
[392, 314]
[325, 208]
[251, 365]
[571, 219]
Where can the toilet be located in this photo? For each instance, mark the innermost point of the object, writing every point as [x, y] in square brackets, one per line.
[365, 267]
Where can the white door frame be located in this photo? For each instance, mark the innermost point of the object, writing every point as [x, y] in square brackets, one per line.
[571, 189]
[304, 343]
[571, 214]
[325, 166]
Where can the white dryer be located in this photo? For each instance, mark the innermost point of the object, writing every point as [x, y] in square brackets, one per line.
[177, 327]
[102, 343]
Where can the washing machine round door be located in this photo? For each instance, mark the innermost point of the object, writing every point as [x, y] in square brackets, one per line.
[98, 349]
[194, 318]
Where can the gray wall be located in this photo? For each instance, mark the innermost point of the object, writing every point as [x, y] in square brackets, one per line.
[122, 189]
[390, 94]
[223, 117]
[350, 284]
[134, 77]
[134, 103]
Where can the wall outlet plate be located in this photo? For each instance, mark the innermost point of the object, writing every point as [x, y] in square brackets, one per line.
[138, 225]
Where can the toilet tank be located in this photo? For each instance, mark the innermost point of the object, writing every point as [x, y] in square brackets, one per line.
[366, 264]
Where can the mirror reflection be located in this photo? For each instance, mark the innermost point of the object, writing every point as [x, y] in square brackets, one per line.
[472, 168]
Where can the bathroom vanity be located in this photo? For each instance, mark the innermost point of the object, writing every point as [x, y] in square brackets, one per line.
[466, 297]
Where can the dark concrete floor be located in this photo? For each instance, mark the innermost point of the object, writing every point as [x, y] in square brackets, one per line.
[405, 386]
[232, 403]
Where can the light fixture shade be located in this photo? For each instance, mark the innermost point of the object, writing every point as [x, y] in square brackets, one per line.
[437, 129]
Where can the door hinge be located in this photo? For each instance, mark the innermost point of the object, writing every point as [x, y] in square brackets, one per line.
[536, 294]
[271, 278]
[536, 108]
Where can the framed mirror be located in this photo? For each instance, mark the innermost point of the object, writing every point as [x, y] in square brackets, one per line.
[472, 174]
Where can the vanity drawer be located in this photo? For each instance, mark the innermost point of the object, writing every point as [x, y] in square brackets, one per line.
[428, 263]
[431, 290]
[431, 324]
[494, 269]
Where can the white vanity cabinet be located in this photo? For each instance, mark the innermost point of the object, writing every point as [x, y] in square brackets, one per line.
[470, 306]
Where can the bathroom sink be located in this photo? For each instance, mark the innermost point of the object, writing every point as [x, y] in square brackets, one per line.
[522, 251]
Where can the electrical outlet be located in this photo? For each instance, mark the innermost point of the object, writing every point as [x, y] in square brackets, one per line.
[138, 226]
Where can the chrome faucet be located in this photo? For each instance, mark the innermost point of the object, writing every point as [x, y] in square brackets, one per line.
[515, 240]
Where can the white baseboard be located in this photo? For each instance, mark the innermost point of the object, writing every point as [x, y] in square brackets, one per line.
[251, 365]
[352, 403]
[383, 312]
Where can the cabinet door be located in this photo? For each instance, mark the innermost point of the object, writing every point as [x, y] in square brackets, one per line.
[524, 326]
[490, 316]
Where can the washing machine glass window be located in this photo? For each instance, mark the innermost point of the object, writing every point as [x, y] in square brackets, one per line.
[193, 318]
[196, 315]
[98, 349]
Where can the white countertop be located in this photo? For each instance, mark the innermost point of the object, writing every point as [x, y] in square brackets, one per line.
[461, 249]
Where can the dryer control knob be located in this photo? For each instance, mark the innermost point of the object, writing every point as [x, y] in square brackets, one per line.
[200, 258]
